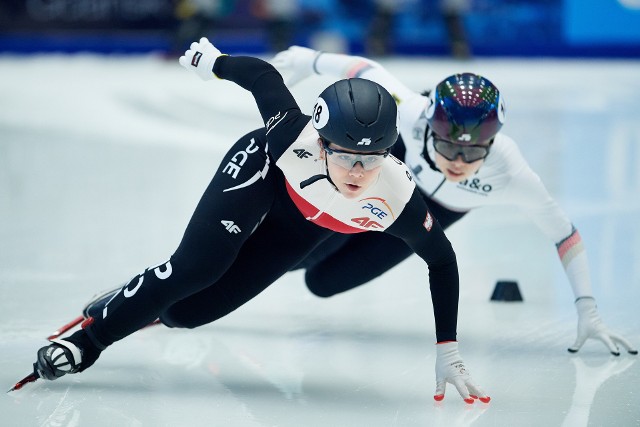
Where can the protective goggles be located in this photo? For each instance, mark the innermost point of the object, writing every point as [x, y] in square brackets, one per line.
[451, 151]
[348, 160]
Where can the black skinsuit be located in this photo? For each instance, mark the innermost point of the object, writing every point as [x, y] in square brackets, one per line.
[246, 232]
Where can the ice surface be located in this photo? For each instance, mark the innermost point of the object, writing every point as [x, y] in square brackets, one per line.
[102, 160]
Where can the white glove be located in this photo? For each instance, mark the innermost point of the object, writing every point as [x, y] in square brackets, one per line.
[296, 61]
[450, 369]
[590, 326]
[200, 58]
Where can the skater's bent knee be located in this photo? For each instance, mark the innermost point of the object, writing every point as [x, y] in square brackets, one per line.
[317, 286]
[177, 322]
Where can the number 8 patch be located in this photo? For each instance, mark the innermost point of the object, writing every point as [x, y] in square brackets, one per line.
[320, 114]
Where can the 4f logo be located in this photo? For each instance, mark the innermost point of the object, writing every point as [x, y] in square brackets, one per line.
[302, 153]
[367, 223]
[230, 226]
[465, 137]
[365, 141]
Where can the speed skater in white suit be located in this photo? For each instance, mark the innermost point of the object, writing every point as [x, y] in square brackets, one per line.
[451, 142]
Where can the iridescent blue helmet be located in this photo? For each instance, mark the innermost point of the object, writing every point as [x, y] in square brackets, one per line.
[466, 109]
[357, 114]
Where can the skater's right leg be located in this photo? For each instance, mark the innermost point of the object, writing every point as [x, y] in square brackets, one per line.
[237, 199]
[235, 202]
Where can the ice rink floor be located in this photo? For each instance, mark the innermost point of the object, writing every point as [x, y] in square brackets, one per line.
[103, 159]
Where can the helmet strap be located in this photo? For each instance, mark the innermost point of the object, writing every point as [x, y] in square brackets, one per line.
[316, 178]
[425, 152]
[326, 166]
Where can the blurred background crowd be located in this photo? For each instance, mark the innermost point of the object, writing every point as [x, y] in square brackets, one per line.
[461, 28]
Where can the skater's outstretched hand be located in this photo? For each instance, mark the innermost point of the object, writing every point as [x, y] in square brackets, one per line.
[200, 58]
[590, 325]
[297, 62]
[450, 369]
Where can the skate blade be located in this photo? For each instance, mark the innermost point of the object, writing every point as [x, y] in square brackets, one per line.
[26, 380]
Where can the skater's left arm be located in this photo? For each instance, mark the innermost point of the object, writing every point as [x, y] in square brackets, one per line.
[280, 112]
[423, 234]
[302, 62]
[421, 231]
[528, 192]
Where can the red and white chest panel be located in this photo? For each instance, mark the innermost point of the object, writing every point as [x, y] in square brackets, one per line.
[375, 210]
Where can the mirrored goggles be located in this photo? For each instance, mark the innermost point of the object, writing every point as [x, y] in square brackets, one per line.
[348, 160]
[451, 151]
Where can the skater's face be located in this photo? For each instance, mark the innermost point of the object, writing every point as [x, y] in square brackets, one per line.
[458, 162]
[352, 172]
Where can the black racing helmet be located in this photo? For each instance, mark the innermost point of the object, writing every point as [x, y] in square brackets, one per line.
[357, 114]
[466, 109]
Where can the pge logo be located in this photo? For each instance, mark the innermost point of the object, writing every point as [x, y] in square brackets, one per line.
[237, 160]
[378, 212]
[162, 271]
[374, 210]
[273, 121]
